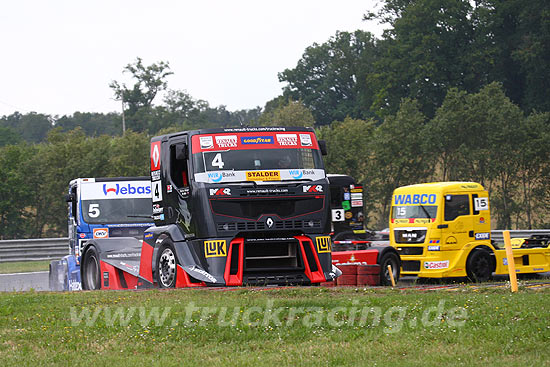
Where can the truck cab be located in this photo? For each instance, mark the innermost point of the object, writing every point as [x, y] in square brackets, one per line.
[435, 227]
[238, 206]
[101, 208]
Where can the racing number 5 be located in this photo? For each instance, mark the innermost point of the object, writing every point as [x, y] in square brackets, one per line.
[93, 210]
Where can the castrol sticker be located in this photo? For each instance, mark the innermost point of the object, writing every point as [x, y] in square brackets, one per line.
[431, 265]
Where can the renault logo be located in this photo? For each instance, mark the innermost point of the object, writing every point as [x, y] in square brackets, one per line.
[269, 222]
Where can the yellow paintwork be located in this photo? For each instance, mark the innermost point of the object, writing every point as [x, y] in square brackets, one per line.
[457, 238]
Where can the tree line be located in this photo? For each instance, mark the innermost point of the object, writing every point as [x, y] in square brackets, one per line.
[459, 91]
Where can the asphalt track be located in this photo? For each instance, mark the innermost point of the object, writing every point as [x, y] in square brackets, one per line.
[38, 281]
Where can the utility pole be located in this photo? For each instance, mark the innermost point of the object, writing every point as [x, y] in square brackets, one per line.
[123, 119]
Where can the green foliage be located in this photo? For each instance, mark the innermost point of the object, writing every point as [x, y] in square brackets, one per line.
[330, 78]
[294, 113]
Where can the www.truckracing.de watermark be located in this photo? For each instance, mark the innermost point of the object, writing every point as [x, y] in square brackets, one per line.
[392, 319]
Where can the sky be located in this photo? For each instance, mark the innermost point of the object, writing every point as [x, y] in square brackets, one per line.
[58, 57]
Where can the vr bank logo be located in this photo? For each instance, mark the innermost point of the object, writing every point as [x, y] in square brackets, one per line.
[215, 176]
[125, 190]
[296, 174]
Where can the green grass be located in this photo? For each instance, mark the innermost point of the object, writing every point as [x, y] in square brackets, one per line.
[24, 266]
[499, 328]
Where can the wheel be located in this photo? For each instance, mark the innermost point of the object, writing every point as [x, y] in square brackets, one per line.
[91, 273]
[479, 266]
[389, 258]
[166, 266]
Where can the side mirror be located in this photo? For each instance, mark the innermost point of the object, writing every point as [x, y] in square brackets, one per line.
[323, 147]
[69, 198]
[181, 152]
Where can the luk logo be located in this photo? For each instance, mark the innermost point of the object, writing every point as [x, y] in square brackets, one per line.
[296, 174]
[312, 188]
[323, 244]
[216, 248]
[220, 192]
[215, 176]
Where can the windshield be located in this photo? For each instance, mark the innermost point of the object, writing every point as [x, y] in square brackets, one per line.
[257, 157]
[414, 211]
[115, 211]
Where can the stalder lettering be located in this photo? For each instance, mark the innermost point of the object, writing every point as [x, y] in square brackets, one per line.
[415, 199]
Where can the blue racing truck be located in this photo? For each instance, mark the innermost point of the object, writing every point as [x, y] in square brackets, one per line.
[99, 208]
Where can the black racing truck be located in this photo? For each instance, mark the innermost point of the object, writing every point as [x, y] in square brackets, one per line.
[231, 207]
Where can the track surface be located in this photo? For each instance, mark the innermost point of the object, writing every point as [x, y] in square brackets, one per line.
[39, 282]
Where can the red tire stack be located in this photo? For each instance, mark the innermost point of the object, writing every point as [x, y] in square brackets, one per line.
[349, 275]
[368, 275]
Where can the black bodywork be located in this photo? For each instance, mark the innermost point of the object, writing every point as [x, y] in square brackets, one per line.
[282, 226]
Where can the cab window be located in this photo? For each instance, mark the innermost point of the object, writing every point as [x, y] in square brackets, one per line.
[455, 206]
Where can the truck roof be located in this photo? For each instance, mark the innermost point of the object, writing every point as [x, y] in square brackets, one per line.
[442, 186]
[108, 179]
[244, 129]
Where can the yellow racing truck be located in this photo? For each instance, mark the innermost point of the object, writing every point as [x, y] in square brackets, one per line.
[443, 229]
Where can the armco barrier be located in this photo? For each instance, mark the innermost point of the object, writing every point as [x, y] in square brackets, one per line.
[55, 248]
[33, 249]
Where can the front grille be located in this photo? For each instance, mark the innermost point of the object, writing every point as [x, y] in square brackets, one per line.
[253, 209]
[283, 255]
[278, 225]
[417, 250]
[410, 265]
[410, 235]
[275, 279]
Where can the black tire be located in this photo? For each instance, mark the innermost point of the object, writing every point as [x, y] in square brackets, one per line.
[166, 265]
[389, 258]
[91, 271]
[479, 265]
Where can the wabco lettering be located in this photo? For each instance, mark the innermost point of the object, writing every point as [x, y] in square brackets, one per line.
[415, 199]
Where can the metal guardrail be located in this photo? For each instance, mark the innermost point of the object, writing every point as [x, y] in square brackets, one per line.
[33, 249]
[498, 237]
[56, 248]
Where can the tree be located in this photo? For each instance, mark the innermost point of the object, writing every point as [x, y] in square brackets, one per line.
[399, 155]
[292, 114]
[330, 78]
[149, 81]
[350, 152]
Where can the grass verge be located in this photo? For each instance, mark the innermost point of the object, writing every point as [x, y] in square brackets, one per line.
[289, 326]
[24, 266]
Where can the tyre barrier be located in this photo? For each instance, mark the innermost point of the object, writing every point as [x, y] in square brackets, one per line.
[356, 275]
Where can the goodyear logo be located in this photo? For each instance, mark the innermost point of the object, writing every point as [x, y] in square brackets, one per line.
[263, 176]
[257, 140]
[414, 199]
[323, 244]
[148, 235]
[215, 248]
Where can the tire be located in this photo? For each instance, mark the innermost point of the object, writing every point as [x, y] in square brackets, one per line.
[479, 266]
[91, 272]
[389, 258]
[166, 266]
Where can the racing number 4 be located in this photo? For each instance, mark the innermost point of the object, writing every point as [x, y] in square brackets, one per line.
[157, 191]
[217, 161]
